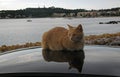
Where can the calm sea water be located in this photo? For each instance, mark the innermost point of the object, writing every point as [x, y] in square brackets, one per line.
[18, 31]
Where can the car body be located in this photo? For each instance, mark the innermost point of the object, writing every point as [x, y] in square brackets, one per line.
[94, 60]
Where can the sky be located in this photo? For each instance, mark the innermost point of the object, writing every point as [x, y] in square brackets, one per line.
[68, 4]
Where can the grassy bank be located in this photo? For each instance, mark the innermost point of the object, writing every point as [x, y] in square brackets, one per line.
[4, 48]
[103, 39]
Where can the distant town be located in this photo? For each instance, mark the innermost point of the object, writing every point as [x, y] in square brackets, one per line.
[58, 12]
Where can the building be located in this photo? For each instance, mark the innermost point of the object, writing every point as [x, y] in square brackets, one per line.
[59, 14]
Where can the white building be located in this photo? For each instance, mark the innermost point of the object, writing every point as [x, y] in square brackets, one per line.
[59, 14]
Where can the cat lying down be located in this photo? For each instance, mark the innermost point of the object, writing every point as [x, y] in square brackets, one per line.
[60, 38]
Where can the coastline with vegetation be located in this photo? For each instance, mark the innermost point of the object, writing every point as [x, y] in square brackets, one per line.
[58, 12]
[103, 39]
[5, 48]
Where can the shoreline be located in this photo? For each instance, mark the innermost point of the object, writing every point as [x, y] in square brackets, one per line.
[62, 17]
[103, 39]
[111, 40]
[5, 48]
[19, 50]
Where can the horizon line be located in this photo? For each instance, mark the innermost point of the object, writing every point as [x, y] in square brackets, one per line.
[59, 7]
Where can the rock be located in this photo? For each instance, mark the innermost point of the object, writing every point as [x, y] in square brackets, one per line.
[29, 20]
[101, 23]
[110, 22]
[115, 43]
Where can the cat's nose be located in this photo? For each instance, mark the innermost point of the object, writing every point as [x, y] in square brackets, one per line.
[77, 37]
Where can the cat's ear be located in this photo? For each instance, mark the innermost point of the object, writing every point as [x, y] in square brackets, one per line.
[69, 26]
[79, 27]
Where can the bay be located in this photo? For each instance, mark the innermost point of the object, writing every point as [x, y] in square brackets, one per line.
[19, 31]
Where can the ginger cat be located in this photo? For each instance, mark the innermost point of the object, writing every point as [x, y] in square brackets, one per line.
[60, 38]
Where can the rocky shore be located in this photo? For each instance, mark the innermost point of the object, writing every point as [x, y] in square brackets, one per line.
[110, 22]
[4, 48]
[103, 39]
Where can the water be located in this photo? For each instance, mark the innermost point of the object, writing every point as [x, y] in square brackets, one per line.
[19, 31]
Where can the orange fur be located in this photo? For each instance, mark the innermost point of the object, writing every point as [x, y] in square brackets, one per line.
[60, 38]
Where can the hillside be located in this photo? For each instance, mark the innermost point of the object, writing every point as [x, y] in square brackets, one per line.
[58, 12]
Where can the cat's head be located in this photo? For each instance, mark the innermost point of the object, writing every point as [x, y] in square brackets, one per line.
[75, 34]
